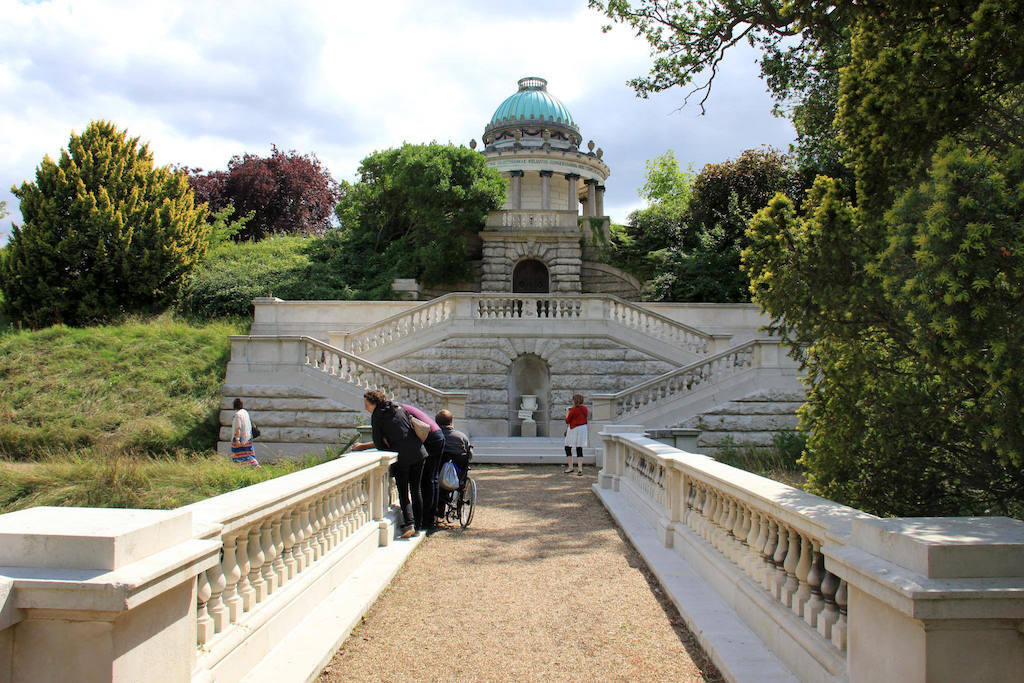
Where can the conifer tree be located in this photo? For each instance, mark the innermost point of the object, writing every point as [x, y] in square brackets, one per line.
[105, 233]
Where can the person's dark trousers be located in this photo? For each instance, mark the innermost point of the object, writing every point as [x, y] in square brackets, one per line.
[407, 479]
[429, 484]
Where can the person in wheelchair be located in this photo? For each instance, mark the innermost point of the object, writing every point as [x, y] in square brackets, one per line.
[457, 449]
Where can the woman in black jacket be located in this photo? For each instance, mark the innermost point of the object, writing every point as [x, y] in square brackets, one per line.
[392, 431]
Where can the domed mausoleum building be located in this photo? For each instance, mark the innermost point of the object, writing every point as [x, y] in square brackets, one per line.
[544, 238]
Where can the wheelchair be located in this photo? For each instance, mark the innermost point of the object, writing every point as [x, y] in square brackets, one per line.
[460, 503]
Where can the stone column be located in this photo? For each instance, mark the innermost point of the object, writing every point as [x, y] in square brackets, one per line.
[591, 204]
[574, 200]
[516, 190]
[600, 200]
[545, 189]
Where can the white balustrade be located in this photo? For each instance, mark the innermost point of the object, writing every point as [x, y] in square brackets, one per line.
[680, 382]
[748, 521]
[403, 325]
[271, 542]
[338, 364]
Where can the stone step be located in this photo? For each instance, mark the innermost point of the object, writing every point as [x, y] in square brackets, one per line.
[524, 451]
[278, 418]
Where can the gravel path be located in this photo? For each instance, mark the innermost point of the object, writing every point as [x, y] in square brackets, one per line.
[541, 586]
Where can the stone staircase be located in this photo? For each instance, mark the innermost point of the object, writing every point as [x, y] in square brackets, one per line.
[524, 450]
[461, 352]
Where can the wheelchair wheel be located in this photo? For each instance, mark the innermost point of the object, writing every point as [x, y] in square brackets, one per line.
[467, 502]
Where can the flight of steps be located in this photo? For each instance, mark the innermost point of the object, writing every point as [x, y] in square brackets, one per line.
[752, 421]
[524, 451]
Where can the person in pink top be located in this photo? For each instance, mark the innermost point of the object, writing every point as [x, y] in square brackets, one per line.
[576, 433]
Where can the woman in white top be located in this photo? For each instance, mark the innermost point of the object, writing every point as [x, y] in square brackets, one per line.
[241, 440]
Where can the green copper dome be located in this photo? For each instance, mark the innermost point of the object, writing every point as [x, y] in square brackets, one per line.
[533, 101]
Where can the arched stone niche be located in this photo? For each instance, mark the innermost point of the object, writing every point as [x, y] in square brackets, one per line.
[530, 276]
[529, 374]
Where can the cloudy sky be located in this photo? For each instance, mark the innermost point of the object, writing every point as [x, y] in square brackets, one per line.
[202, 81]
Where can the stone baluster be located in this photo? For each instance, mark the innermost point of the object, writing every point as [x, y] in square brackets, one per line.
[740, 532]
[307, 534]
[316, 524]
[815, 603]
[339, 517]
[288, 541]
[204, 624]
[299, 529]
[803, 568]
[270, 553]
[830, 615]
[216, 608]
[256, 559]
[334, 517]
[789, 588]
[839, 629]
[767, 555]
[245, 589]
[232, 572]
[729, 521]
[779, 560]
[722, 524]
[754, 543]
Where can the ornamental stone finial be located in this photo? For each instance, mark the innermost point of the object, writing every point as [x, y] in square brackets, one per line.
[472, 144]
[590, 145]
[600, 152]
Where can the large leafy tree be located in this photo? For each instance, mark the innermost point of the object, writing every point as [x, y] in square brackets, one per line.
[414, 212]
[898, 280]
[642, 244]
[105, 232]
[802, 46]
[284, 193]
[905, 300]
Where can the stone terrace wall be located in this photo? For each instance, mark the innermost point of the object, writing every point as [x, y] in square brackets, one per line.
[481, 365]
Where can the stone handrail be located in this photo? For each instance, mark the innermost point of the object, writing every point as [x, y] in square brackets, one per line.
[274, 536]
[399, 326]
[766, 532]
[659, 326]
[519, 307]
[352, 369]
[591, 307]
[831, 592]
[687, 379]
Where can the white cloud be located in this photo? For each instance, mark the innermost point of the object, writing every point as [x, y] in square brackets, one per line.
[203, 81]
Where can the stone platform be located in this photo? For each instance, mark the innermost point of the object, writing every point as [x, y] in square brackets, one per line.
[520, 450]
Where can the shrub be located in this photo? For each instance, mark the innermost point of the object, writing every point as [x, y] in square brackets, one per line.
[234, 274]
[105, 233]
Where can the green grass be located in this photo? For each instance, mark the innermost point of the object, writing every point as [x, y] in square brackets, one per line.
[117, 416]
[113, 479]
[780, 461]
[141, 388]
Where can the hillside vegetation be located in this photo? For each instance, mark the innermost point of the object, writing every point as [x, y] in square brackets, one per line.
[144, 387]
[117, 415]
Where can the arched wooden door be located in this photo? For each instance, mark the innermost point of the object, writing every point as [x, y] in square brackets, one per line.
[530, 277]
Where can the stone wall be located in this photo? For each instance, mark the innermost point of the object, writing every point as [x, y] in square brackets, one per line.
[600, 278]
[502, 251]
[481, 365]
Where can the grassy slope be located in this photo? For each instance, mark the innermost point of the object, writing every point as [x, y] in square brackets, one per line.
[140, 387]
[116, 416]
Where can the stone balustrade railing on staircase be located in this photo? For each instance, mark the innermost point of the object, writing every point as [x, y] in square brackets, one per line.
[400, 326]
[205, 592]
[352, 370]
[263, 366]
[699, 383]
[462, 312]
[828, 592]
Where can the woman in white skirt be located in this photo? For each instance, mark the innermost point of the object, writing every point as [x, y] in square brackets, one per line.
[576, 433]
